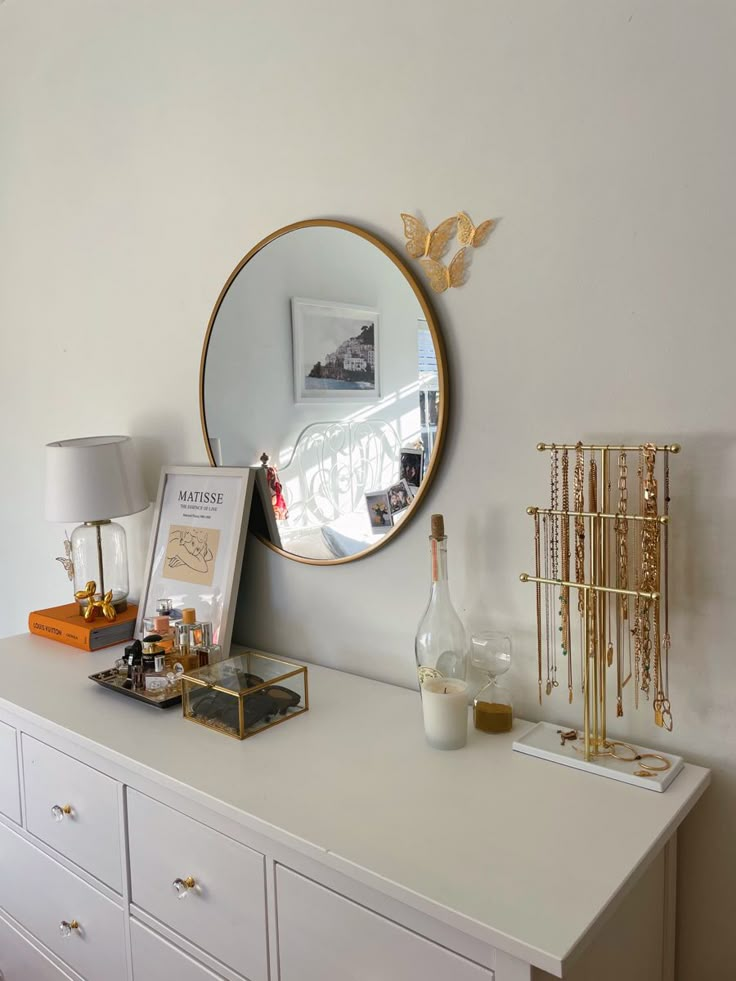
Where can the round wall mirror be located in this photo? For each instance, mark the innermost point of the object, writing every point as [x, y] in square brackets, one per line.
[323, 353]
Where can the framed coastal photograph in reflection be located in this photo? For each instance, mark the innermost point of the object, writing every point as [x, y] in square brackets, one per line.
[195, 554]
[336, 351]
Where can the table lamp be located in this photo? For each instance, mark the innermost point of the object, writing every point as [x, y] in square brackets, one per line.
[92, 480]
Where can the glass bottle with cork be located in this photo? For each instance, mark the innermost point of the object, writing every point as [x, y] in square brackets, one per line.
[441, 645]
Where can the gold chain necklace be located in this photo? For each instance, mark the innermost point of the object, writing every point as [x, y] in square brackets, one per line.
[621, 527]
[565, 590]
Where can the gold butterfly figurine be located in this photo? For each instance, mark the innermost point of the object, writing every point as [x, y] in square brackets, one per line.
[442, 277]
[470, 234]
[420, 242]
[66, 560]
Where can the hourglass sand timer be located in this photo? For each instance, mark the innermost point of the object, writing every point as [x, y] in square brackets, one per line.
[490, 651]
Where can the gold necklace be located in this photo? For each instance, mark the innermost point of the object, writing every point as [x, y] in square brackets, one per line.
[649, 581]
[621, 527]
[579, 505]
[565, 590]
[666, 642]
[538, 573]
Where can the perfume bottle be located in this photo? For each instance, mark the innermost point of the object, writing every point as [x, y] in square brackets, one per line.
[207, 652]
[148, 626]
[188, 637]
[166, 637]
[441, 644]
[153, 657]
[165, 608]
[166, 632]
[133, 657]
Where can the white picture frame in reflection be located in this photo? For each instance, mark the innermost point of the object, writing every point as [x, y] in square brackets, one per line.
[335, 351]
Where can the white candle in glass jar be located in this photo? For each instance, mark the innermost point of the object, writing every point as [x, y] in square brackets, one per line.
[445, 710]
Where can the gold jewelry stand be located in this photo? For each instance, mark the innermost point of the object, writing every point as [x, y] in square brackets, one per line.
[621, 570]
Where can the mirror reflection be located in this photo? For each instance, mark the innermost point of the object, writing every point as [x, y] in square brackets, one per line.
[323, 354]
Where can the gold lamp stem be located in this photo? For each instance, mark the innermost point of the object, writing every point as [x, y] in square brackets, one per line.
[99, 560]
[97, 525]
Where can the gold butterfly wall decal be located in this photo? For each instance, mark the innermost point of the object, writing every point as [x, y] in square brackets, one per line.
[430, 246]
[470, 234]
[66, 560]
[442, 277]
[420, 242]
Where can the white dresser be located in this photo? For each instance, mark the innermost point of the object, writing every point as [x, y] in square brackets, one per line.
[338, 847]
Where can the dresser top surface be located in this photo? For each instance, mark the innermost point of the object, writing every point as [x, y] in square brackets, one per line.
[492, 836]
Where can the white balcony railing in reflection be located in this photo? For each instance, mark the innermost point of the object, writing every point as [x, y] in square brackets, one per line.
[334, 464]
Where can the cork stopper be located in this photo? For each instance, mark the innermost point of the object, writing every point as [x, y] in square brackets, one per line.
[188, 615]
[438, 526]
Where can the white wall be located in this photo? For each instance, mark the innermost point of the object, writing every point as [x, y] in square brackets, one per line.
[147, 145]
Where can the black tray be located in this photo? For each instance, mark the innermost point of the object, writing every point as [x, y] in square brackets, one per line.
[113, 680]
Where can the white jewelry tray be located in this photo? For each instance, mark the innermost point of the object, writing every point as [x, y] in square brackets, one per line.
[543, 741]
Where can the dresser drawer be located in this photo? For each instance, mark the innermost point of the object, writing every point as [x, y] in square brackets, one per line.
[21, 961]
[224, 912]
[155, 958]
[9, 782]
[90, 833]
[325, 937]
[40, 894]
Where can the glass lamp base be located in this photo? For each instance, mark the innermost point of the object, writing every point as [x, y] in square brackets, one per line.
[100, 556]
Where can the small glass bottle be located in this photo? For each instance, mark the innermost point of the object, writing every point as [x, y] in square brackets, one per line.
[207, 652]
[165, 608]
[162, 627]
[441, 644]
[168, 642]
[154, 664]
[188, 636]
[153, 658]
[133, 658]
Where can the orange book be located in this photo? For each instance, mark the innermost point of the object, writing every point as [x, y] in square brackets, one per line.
[65, 624]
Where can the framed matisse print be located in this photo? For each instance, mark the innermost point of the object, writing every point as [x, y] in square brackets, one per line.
[195, 555]
[336, 348]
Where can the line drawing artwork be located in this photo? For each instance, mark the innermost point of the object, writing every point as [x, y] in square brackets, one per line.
[191, 553]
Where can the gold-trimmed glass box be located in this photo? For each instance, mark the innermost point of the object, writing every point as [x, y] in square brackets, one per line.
[245, 694]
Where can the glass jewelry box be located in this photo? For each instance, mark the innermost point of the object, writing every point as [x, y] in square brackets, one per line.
[245, 694]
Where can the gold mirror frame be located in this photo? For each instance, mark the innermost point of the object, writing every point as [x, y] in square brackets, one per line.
[442, 375]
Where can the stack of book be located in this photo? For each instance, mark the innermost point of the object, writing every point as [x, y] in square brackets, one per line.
[65, 624]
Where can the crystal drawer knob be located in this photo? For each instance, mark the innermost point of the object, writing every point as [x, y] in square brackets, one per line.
[183, 887]
[58, 811]
[66, 927]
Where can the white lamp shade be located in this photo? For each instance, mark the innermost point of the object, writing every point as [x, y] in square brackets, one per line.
[93, 479]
